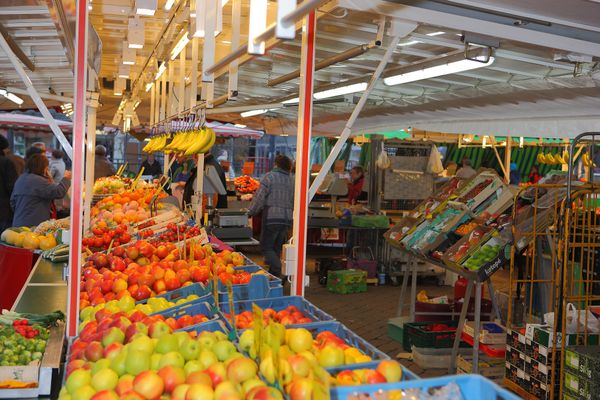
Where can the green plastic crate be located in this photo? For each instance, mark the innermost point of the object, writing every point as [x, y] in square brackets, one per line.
[347, 281]
[396, 328]
[416, 335]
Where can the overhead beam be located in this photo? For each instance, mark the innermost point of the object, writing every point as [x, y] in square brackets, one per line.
[453, 17]
[46, 96]
[16, 49]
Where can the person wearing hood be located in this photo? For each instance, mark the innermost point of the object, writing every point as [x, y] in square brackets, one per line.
[515, 175]
[102, 167]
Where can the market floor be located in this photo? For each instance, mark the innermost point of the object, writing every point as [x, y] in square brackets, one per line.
[367, 313]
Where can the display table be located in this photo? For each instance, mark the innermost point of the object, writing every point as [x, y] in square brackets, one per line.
[15, 267]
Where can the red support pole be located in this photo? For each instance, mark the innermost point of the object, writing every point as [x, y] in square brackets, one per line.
[303, 150]
[79, 125]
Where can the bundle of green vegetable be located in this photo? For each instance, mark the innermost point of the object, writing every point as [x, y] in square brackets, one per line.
[57, 254]
[8, 318]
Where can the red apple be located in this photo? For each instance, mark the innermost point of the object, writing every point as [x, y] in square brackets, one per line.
[132, 252]
[158, 328]
[300, 389]
[125, 385]
[105, 395]
[171, 376]
[135, 328]
[119, 285]
[112, 350]
[264, 393]
[149, 385]
[93, 351]
[373, 377]
[159, 286]
[183, 275]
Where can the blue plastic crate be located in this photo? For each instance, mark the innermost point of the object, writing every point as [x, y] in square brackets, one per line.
[210, 326]
[183, 292]
[472, 387]
[351, 339]
[279, 303]
[407, 375]
[192, 308]
[258, 288]
[273, 280]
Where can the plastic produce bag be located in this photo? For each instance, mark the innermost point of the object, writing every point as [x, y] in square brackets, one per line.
[434, 165]
[383, 161]
[576, 320]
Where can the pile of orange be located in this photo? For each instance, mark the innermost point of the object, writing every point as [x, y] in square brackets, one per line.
[246, 184]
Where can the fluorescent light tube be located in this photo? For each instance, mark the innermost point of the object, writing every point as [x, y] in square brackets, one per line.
[135, 33]
[257, 25]
[242, 126]
[339, 91]
[295, 100]
[252, 113]
[12, 97]
[438, 70]
[169, 4]
[149, 86]
[123, 71]
[183, 41]
[145, 7]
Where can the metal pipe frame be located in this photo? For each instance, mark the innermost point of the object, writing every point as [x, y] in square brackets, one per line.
[348, 128]
[36, 97]
[304, 8]
[79, 119]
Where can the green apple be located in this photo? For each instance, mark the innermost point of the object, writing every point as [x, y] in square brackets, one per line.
[155, 361]
[100, 364]
[137, 362]
[207, 358]
[223, 349]
[84, 393]
[331, 356]
[166, 343]
[113, 335]
[247, 340]
[181, 337]
[193, 366]
[173, 358]
[78, 378]
[189, 349]
[220, 336]
[207, 339]
[118, 363]
[142, 343]
[105, 379]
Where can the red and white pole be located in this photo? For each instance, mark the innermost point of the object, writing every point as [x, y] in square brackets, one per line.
[307, 71]
[79, 126]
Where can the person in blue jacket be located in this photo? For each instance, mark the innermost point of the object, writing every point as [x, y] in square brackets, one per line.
[34, 192]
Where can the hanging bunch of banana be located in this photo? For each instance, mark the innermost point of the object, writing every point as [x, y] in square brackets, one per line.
[201, 142]
[553, 159]
[155, 144]
[587, 161]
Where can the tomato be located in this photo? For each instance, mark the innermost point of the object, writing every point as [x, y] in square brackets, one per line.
[98, 242]
[106, 239]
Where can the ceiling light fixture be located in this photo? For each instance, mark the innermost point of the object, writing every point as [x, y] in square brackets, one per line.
[411, 42]
[161, 69]
[128, 54]
[181, 43]
[169, 4]
[149, 86]
[119, 86]
[241, 126]
[123, 71]
[11, 96]
[146, 7]
[439, 70]
[295, 100]
[342, 90]
[252, 113]
[135, 33]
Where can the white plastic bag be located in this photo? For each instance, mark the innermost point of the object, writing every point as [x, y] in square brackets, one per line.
[576, 320]
[434, 165]
[383, 161]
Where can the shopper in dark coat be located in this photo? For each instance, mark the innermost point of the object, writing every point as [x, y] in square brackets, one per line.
[275, 200]
[102, 167]
[34, 192]
[151, 166]
[8, 176]
[190, 184]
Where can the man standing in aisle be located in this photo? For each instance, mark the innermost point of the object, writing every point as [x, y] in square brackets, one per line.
[275, 199]
[102, 167]
[8, 176]
[151, 166]
[466, 171]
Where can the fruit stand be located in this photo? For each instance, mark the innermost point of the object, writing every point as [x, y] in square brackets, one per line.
[464, 228]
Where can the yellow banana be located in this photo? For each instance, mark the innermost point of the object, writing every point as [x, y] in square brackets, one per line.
[565, 156]
[541, 159]
[211, 142]
[198, 142]
[586, 160]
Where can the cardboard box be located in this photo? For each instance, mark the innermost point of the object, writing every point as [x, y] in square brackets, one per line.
[539, 371]
[515, 340]
[515, 357]
[581, 387]
[545, 335]
[514, 374]
[540, 389]
[23, 373]
[584, 361]
[347, 281]
[539, 352]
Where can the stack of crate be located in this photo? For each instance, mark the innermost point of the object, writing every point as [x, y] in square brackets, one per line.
[582, 372]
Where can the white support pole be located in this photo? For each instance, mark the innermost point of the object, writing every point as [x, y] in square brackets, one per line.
[152, 103]
[181, 83]
[194, 73]
[171, 91]
[79, 108]
[305, 105]
[36, 97]
[208, 51]
[163, 97]
[236, 16]
[507, 151]
[348, 128]
[156, 88]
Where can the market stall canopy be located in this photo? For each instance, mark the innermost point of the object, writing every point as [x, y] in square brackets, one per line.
[32, 118]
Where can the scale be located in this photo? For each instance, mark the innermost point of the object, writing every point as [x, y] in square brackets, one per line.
[231, 224]
[334, 187]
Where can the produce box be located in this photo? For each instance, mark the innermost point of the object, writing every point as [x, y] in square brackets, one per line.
[183, 292]
[515, 374]
[515, 339]
[491, 367]
[490, 333]
[544, 336]
[259, 287]
[427, 358]
[397, 232]
[539, 389]
[584, 361]
[483, 186]
[515, 357]
[581, 387]
[539, 371]
[489, 258]
[407, 374]
[434, 335]
[347, 281]
[456, 255]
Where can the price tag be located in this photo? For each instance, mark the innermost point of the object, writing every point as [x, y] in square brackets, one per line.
[257, 314]
[191, 250]
[203, 237]
[233, 332]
